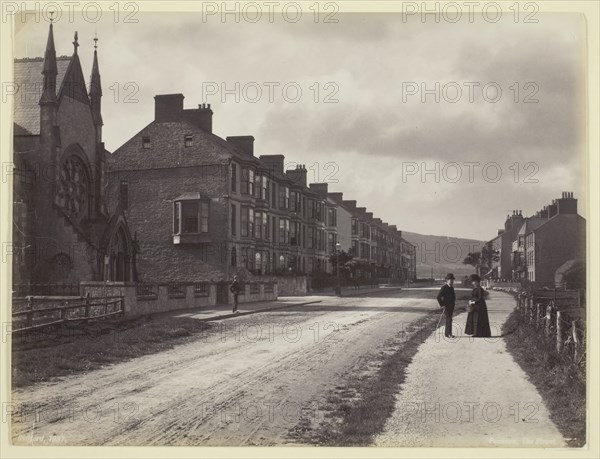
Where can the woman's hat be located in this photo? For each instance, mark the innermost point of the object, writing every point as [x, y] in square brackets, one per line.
[449, 276]
[475, 278]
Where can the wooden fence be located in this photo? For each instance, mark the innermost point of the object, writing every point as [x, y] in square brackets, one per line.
[34, 313]
[561, 317]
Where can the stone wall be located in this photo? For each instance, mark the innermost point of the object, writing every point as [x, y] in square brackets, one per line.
[291, 286]
[141, 299]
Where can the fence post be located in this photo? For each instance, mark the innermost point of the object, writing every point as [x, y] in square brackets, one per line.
[575, 340]
[548, 320]
[29, 311]
[559, 332]
[63, 312]
[87, 305]
[538, 314]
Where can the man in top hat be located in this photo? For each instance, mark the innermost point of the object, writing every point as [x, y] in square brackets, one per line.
[446, 298]
[235, 289]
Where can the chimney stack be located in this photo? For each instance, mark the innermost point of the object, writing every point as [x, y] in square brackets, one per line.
[274, 163]
[168, 107]
[350, 204]
[567, 204]
[244, 143]
[337, 197]
[298, 174]
[319, 188]
[201, 117]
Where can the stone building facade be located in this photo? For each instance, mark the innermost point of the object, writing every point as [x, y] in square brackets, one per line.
[533, 248]
[561, 238]
[63, 230]
[379, 244]
[205, 208]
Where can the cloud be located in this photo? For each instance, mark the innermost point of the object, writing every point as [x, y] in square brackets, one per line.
[375, 128]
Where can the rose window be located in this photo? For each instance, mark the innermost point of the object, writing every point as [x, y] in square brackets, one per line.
[73, 189]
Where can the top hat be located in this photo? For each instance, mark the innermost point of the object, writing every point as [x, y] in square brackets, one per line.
[475, 278]
[449, 276]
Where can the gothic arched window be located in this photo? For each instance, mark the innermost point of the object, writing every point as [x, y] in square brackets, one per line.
[74, 188]
[119, 257]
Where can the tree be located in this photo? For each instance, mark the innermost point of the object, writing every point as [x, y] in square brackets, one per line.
[473, 259]
[482, 261]
[488, 257]
[344, 258]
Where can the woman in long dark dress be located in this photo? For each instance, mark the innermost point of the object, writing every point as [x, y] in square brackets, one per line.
[478, 322]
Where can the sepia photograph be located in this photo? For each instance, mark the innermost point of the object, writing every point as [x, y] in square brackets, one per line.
[350, 229]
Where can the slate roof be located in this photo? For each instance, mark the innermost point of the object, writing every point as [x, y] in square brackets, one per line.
[531, 224]
[557, 218]
[29, 81]
[168, 150]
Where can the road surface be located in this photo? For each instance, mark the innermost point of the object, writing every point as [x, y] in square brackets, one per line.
[255, 379]
[246, 382]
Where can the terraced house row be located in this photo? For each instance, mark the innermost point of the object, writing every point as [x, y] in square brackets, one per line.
[205, 208]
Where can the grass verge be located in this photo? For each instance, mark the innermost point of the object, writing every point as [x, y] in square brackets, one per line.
[68, 350]
[560, 382]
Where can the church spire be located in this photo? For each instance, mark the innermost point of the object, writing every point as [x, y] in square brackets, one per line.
[96, 87]
[50, 70]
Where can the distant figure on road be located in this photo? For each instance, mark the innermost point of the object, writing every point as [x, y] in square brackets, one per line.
[235, 289]
[478, 322]
[446, 298]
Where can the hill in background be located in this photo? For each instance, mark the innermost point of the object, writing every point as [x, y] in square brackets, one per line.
[442, 254]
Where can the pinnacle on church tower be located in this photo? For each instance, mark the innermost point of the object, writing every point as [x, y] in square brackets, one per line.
[96, 87]
[50, 70]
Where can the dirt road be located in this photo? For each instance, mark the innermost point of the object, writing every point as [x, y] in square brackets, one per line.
[246, 382]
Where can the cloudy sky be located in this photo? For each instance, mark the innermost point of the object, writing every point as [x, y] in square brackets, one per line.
[364, 121]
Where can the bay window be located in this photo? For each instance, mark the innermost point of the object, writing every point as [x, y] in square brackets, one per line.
[248, 181]
[247, 222]
[233, 177]
[190, 216]
[261, 227]
[284, 197]
[284, 230]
